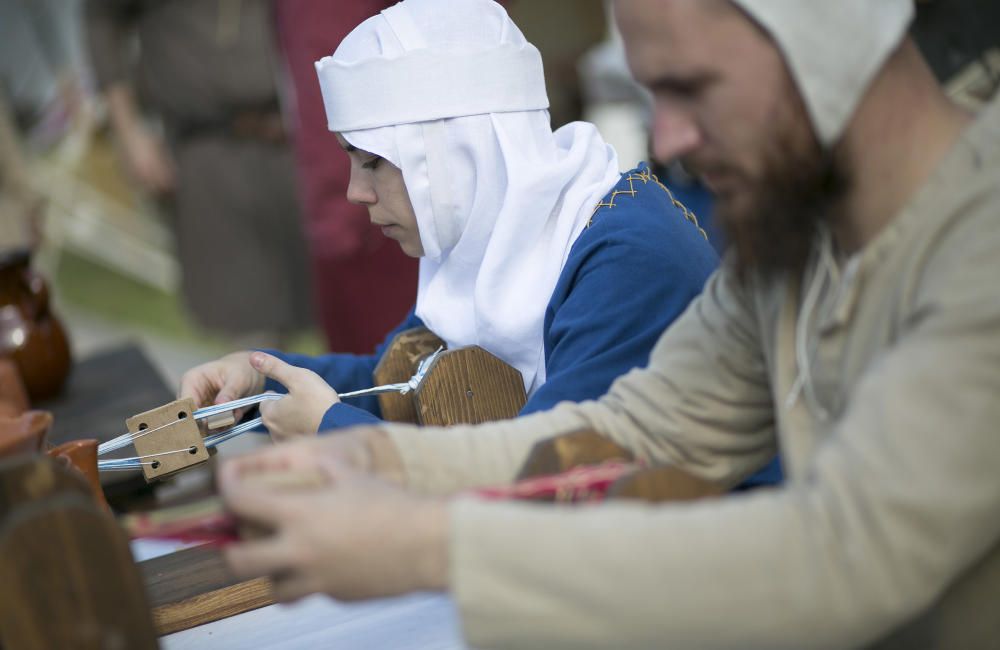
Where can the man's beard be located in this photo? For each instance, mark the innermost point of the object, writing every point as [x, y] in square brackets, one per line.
[772, 233]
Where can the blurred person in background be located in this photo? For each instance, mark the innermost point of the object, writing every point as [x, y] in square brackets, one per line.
[41, 93]
[207, 70]
[41, 72]
[20, 204]
[362, 283]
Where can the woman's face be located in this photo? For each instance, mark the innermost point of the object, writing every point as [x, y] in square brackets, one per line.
[378, 185]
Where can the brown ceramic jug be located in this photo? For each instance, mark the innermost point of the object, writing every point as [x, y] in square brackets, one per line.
[29, 333]
[82, 456]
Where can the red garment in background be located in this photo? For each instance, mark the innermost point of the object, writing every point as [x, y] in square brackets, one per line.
[363, 284]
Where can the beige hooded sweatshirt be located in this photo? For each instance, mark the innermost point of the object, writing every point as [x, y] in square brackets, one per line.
[877, 379]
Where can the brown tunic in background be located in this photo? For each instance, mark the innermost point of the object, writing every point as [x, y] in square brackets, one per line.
[202, 66]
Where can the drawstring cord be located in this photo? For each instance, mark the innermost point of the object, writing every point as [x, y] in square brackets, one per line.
[803, 383]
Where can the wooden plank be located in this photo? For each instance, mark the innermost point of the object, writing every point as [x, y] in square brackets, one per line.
[193, 586]
[398, 364]
[468, 386]
[213, 606]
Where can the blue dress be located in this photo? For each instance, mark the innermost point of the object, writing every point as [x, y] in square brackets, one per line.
[631, 272]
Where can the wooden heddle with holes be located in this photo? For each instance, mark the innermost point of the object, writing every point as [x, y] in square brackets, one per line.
[168, 439]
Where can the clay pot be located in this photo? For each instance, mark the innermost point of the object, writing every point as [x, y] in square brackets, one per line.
[29, 333]
[24, 434]
[13, 396]
[82, 455]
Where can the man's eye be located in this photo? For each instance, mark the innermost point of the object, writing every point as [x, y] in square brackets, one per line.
[373, 163]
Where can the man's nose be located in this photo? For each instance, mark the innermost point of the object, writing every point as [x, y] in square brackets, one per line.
[675, 133]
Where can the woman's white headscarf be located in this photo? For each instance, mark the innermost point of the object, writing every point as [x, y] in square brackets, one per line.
[450, 92]
[834, 49]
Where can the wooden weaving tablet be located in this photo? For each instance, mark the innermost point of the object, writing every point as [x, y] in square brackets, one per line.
[468, 386]
[397, 365]
[174, 441]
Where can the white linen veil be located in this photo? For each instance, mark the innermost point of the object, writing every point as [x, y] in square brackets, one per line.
[499, 198]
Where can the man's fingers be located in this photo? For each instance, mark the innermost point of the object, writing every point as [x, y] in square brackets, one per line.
[290, 587]
[274, 368]
[252, 503]
[231, 472]
[268, 556]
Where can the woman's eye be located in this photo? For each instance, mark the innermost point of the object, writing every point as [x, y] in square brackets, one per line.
[373, 163]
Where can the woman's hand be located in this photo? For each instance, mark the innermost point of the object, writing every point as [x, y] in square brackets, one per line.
[215, 382]
[356, 537]
[301, 411]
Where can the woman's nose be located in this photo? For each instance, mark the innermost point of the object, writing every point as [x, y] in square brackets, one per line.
[359, 190]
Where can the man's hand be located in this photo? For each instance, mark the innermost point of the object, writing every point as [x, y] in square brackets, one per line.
[301, 411]
[357, 537]
[215, 382]
[367, 450]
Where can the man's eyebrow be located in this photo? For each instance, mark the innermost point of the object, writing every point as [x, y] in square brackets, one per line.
[684, 82]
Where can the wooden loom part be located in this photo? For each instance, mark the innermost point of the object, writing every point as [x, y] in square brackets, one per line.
[397, 365]
[468, 386]
[463, 386]
[653, 484]
[174, 440]
[67, 579]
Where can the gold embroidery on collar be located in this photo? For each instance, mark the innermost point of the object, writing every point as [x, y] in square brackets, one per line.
[645, 177]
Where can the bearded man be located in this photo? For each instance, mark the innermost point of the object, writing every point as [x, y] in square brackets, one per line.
[855, 328]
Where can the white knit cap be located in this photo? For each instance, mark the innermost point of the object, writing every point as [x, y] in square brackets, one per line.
[834, 48]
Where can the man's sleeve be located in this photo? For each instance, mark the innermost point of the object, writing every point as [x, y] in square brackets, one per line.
[703, 403]
[899, 502]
